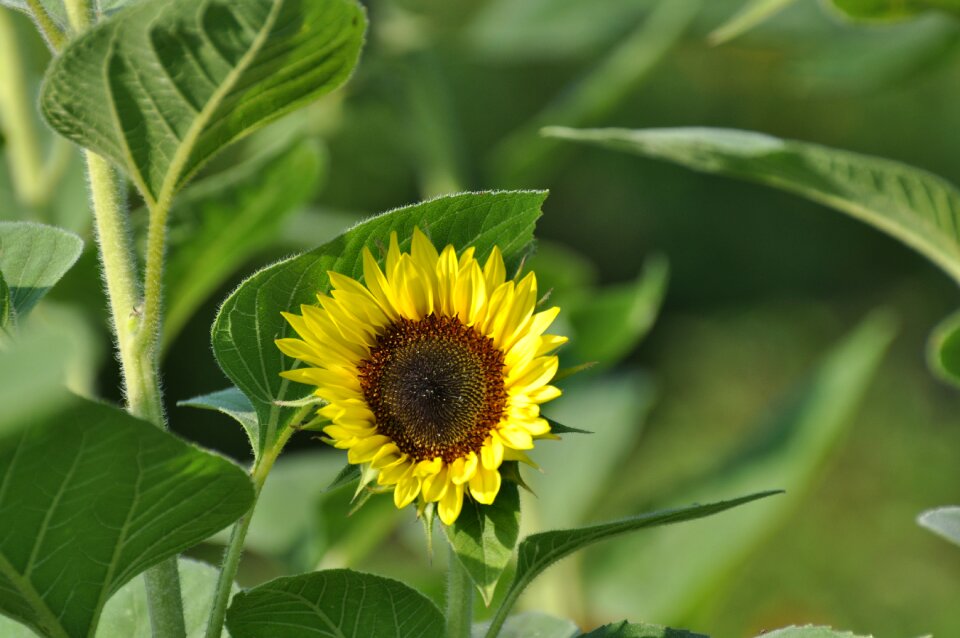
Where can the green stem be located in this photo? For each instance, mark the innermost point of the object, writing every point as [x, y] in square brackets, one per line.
[496, 623]
[459, 599]
[17, 118]
[231, 556]
[79, 14]
[51, 31]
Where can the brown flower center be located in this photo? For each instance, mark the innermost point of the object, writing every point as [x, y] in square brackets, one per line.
[435, 386]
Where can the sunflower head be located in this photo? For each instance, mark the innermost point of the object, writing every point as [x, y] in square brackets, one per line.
[433, 370]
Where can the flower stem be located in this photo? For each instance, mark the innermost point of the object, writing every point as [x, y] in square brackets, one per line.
[19, 125]
[231, 556]
[459, 599]
[50, 30]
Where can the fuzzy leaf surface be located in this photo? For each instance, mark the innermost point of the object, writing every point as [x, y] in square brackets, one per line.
[483, 537]
[249, 320]
[642, 630]
[162, 85]
[33, 257]
[338, 603]
[91, 497]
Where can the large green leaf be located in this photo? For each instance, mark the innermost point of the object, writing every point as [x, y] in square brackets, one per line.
[338, 603]
[483, 537]
[914, 206]
[33, 257]
[631, 630]
[809, 631]
[890, 10]
[90, 497]
[943, 521]
[539, 551]
[163, 85]
[249, 320]
[788, 451]
[218, 223]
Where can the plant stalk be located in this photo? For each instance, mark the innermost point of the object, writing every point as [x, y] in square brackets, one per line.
[459, 599]
[51, 31]
[131, 322]
[234, 550]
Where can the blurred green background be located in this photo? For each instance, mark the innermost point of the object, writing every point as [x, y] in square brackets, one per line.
[739, 385]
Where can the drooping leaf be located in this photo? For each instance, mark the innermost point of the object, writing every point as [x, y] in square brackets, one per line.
[914, 206]
[943, 521]
[233, 403]
[338, 603]
[220, 222]
[163, 85]
[749, 16]
[788, 450]
[33, 257]
[539, 551]
[615, 318]
[249, 320]
[809, 631]
[531, 623]
[90, 498]
[483, 537]
[643, 630]
[892, 10]
[127, 613]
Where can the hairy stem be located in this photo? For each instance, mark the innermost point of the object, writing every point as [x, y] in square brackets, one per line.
[234, 550]
[18, 121]
[51, 31]
[459, 599]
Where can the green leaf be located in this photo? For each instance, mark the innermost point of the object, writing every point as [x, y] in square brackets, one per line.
[809, 631]
[33, 257]
[892, 10]
[163, 85]
[788, 450]
[531, 624]
[616, 318]
[916, 207]
[560, 428]
[249, 320]
[90, 498]
[347, 475]
[539, 551]
[944, 521]
[338, 603]
[127, 614]
[483, 538]
[234, 403]
[218, 223]
[750, 15]
[943, 349]
[630, 630]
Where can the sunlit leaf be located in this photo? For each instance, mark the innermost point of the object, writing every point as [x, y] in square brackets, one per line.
[92, 497]
[539, 551]
[643, 630]
[531, 623]
[944, 521]
[338, 603]
[163, 85]
[249, 320]
[483, 537]
[218, 223]
[33, 257]
[233, 403]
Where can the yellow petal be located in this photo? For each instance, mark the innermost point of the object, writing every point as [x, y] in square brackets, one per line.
[537, 373]
[446, 281]
[462, 469]
[435, 486]
[393, 254]
[378, 286]
[407, 489]
[429, 467]
[450, 505]
[536, 427]
[491, 453]
[494, 271]
[484, 485]
[365, 450]
[516, 437]
[392, 473]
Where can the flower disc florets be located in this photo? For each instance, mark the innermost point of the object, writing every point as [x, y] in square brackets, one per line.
[434, 370]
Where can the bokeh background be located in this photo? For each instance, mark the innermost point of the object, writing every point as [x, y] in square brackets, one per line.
[724, 315]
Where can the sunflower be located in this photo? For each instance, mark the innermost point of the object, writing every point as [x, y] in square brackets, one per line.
[433, 371]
